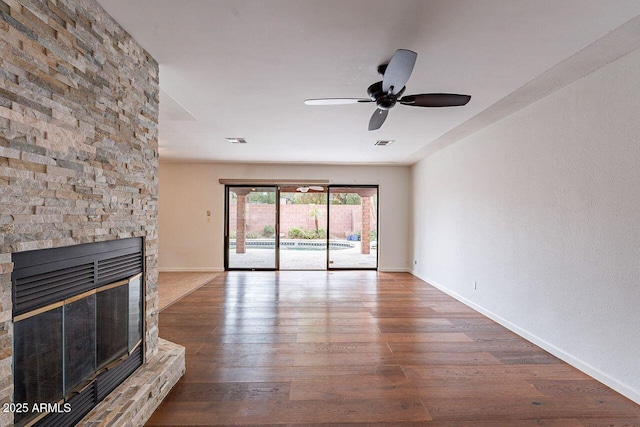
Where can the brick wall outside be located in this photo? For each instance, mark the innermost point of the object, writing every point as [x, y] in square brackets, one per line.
[345, 219]
[78, 142]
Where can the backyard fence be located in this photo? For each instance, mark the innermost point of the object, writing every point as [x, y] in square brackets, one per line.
[346, 220]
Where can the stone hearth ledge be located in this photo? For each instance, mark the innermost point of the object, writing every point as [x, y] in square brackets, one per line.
[132, 402]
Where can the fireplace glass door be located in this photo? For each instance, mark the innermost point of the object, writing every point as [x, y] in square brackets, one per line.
[135, 312]
[111, 324]
[38, 367]
[79, 340]
[59, 349]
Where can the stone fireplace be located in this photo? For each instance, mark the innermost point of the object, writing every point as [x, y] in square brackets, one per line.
[79, 165]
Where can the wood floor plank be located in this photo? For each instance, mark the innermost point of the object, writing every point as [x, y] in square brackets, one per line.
[461, 347]
[437, 328]
[216, 350]
[473, 388]
[611, 422]
[538, 422]
[244, 359]
[573, 387]
[230, 392]
[403, 322]
[364, 348]
[517, 408]
[435, 358]
[291, 411]
[388, 337]
[352, 389]
[525, 356]
[527, 372]
[207, 372]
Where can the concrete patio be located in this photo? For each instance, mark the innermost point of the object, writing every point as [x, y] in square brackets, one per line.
[304, 259]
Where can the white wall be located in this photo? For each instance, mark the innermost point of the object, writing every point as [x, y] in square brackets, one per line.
[187, 190]
[542, 209]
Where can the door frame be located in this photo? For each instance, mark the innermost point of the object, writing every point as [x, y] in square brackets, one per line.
[276, 186]
[326, 262]
[226, 239]
[377, 187]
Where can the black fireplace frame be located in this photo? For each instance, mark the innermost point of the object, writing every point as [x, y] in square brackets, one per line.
[43, 277]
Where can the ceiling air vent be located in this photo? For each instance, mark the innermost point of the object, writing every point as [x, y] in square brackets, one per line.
[384, 142]
[237, 140]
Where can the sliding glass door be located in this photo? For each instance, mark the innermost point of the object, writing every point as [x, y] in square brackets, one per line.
[300, 227]
[303, 227]
[353, 227]
[251, 232]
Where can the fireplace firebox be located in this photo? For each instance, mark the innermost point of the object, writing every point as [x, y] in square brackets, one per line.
[78, 327]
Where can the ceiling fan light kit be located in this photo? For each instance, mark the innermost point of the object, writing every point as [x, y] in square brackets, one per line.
[305, 189]
[237, 140]
[388, 92]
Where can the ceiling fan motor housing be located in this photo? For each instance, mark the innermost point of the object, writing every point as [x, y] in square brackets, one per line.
[383, 100]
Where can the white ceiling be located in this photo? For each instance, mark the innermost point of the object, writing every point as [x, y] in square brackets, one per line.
[239, 68]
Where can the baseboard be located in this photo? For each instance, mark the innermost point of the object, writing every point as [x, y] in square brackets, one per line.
[220, 270]
[395, 270]
[593, 372]
[191, 270]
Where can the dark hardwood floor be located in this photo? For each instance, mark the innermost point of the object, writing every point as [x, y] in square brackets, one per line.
[364, 348]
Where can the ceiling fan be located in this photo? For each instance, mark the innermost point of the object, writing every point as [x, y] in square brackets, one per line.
[311, 187]
[388, 92]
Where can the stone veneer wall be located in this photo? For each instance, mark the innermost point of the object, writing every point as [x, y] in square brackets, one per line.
[78, 143]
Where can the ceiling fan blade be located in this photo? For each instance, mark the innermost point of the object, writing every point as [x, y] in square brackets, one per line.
[377, 119]
[398, 71]
[435, 100]
[335, 101]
